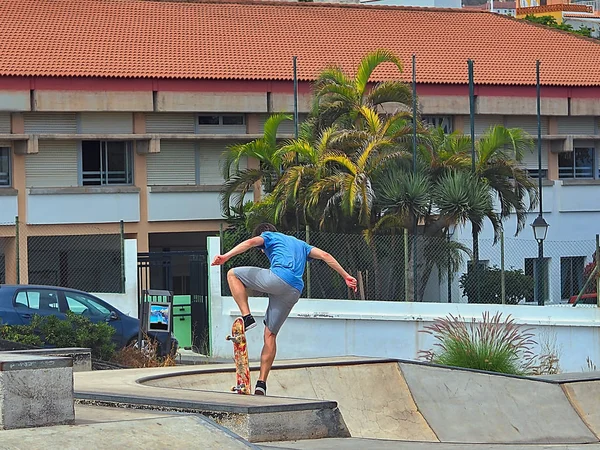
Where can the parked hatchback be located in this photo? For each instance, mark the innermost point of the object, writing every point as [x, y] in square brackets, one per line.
[19, 303]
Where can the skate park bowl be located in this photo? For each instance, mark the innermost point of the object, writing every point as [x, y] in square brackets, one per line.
[367, 398]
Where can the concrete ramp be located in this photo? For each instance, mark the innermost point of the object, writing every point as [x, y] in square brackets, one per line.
[373, 398]
[174, 433]
[583, 391]
[475, 407]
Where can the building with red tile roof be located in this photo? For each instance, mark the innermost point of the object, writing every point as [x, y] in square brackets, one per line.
[118, 110]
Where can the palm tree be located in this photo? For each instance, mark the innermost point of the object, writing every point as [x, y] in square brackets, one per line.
[435, 203]
[271, 158]
[338, 98]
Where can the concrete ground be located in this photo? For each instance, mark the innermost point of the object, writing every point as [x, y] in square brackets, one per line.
[376, 444]
[104, 428]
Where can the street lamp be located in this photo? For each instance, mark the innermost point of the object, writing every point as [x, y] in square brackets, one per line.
[540, 229]
[451, 230]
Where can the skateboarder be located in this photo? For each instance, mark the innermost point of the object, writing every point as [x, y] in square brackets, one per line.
[283, 282]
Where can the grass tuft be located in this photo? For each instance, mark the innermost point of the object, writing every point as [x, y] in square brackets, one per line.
[492, 344]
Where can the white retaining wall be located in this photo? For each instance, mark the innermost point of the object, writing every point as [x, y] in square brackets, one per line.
[329, 328]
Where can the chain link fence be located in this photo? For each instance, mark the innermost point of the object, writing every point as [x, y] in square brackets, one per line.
[86, 257]
[399, 267]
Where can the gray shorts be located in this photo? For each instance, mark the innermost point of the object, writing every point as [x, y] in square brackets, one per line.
[282, 296]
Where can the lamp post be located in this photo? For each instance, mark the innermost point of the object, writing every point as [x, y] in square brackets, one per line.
[540, 228]
[451, 229]
[539, 225]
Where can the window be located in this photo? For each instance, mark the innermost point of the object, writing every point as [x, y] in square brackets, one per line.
[533, 173]
[530, 266]
[4, 166]
[445, 122]
[576, 164]
[106, 163]
[209, 120]
[230, 119]
[571, 276]
[39, 299]
[85, 306]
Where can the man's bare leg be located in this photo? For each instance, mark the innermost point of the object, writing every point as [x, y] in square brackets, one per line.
[238, 291]
[267, 355]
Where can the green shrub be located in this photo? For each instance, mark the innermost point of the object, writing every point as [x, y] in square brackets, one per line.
[484, 285]
[493, 344]
[74, 331]
[23, 334]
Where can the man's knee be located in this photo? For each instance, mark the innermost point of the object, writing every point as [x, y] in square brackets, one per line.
[269, 335]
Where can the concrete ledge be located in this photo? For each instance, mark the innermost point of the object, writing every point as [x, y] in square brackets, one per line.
[81, 357]
[307, 420]
[178, 189]
[35, 391]
[8, 192]
[85, 190]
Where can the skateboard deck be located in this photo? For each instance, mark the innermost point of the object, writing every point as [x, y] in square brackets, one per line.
[240, 356]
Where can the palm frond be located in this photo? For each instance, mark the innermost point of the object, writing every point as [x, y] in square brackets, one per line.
[368, 65]
[390, 92]
[238, 185]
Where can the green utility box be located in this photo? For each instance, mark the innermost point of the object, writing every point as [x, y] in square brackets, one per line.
[182, 319]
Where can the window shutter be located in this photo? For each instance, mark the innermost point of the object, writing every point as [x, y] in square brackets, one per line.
[54, 166]
[170, 123]
[50, 123]
[104, 123]
[175, 165]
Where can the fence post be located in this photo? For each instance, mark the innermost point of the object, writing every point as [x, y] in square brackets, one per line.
[307, 264]
[220, 239]
[17, 248]
[597, 266]
[406, 288]
[122, 232]
[502, 273]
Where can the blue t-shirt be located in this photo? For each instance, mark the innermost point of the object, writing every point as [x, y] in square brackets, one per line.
[288, 257]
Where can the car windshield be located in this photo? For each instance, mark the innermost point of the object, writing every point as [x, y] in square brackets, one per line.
[82, 304]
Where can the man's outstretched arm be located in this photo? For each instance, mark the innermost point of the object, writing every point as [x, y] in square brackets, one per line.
[238, 249]
[317, 253]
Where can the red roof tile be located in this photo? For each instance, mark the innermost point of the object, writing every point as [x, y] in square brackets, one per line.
[554, 8]
[249, 41]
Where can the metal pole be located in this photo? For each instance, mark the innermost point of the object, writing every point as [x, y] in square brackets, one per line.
[296, 100]
[295, 59]
[502, 273]
[539, 130]
[475, 261]
[122, 233]
[307, 264]
[540, 287]
[597, 266]
[449, 270]
[414, 124]
[406, 273]
[17, 248]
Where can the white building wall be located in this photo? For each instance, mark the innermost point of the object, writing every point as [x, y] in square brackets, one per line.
[127, 302]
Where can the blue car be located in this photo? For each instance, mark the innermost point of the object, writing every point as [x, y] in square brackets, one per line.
[19, 303]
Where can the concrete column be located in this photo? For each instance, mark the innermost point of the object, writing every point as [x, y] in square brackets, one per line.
[19, 183]
[459, 124]
[552, 157]
[140, 179]
[253, 124]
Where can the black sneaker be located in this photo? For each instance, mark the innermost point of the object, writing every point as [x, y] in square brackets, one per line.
[249, 322]
[261, 388]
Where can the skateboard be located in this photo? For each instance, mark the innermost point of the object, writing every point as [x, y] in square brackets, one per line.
[240, 356]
